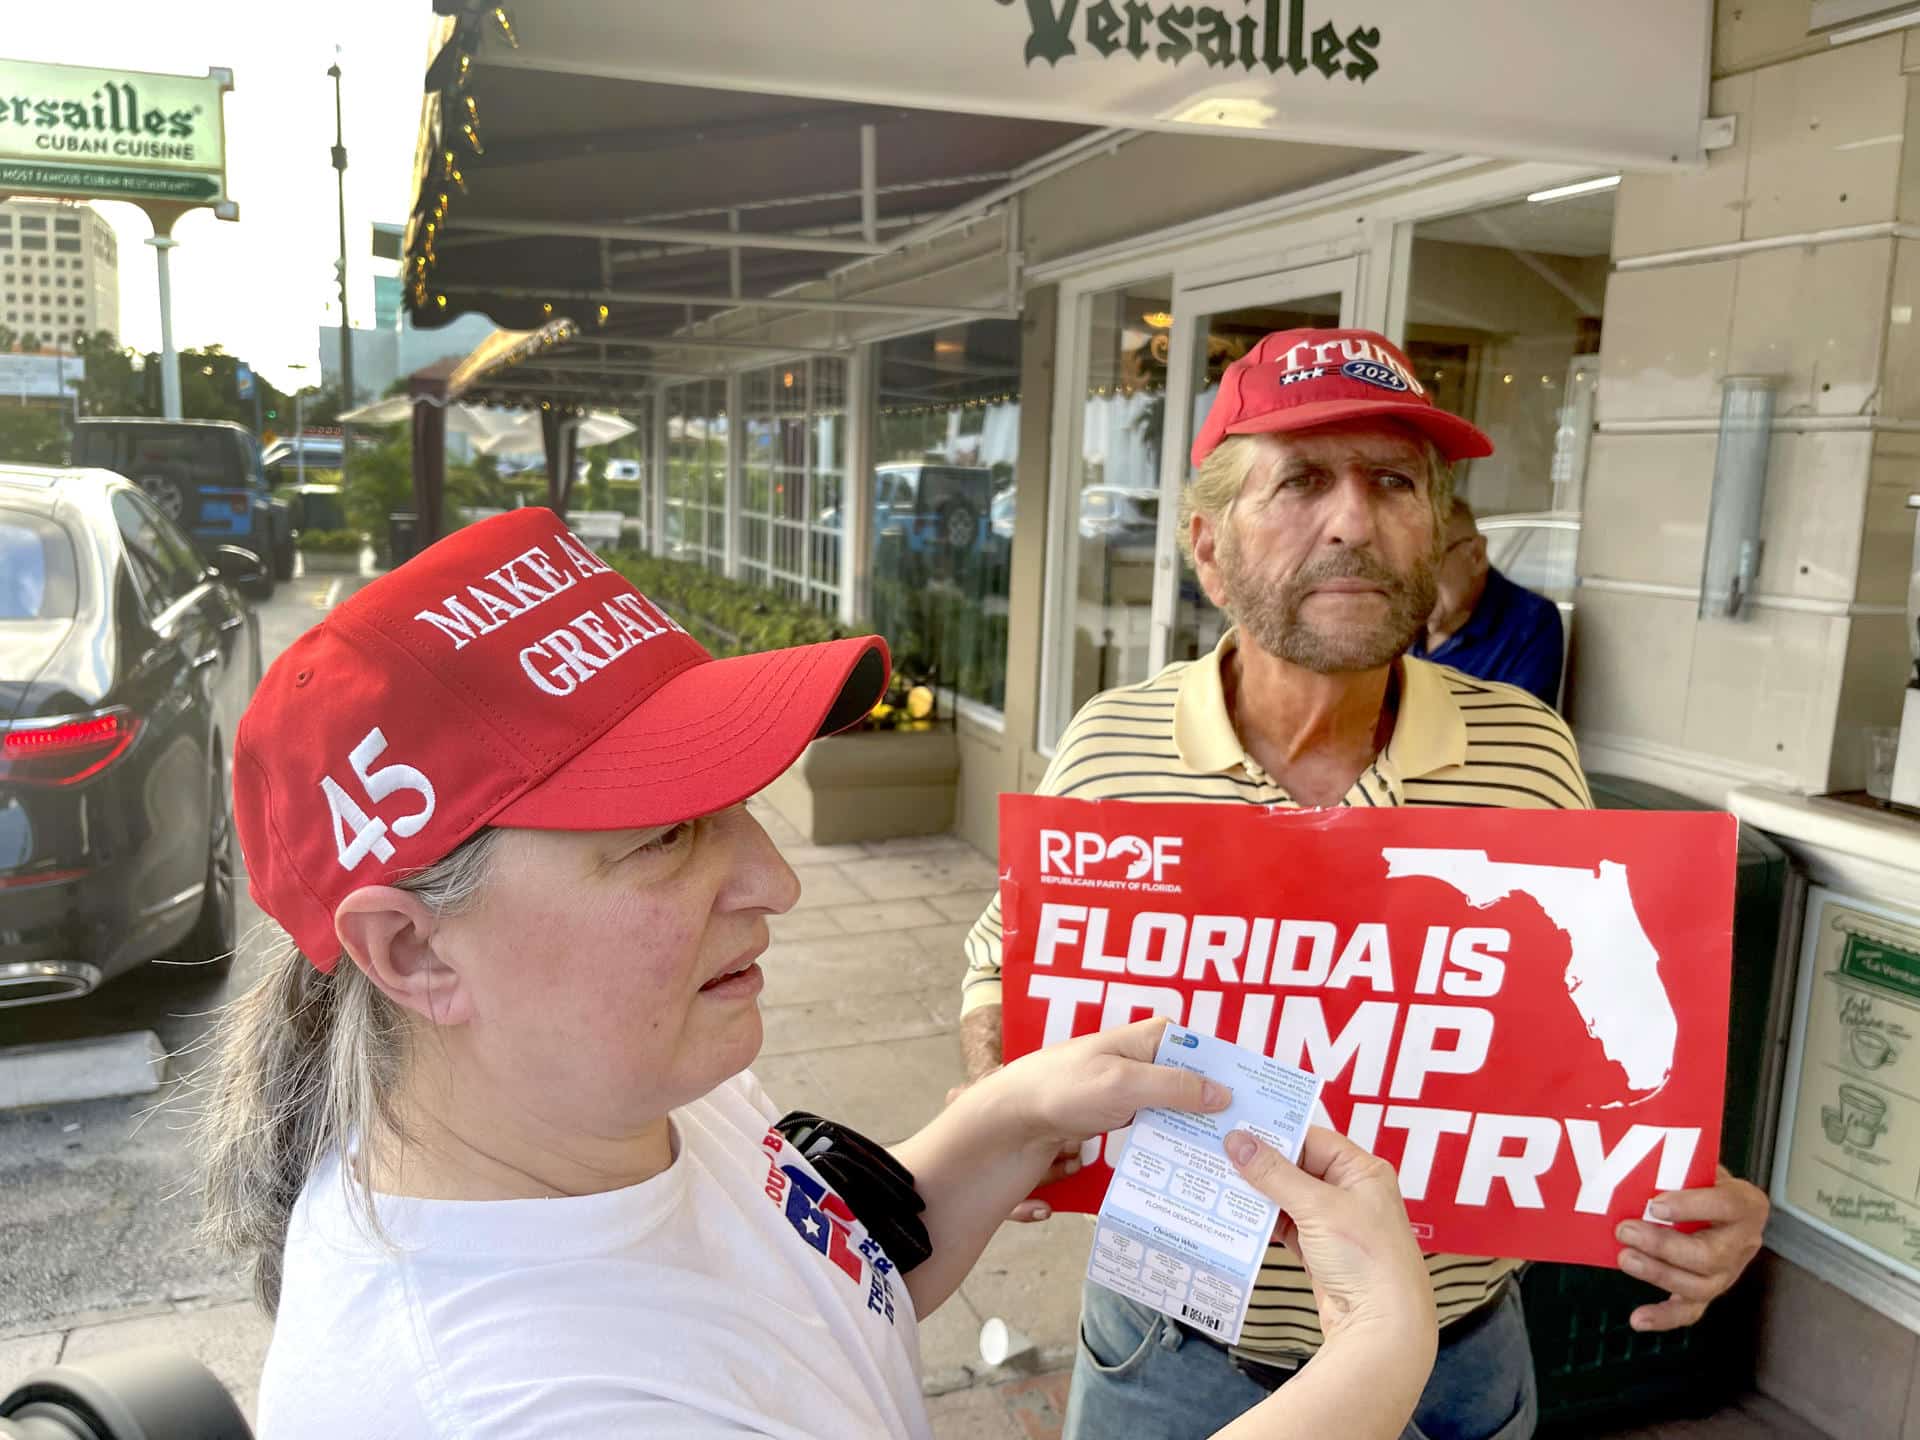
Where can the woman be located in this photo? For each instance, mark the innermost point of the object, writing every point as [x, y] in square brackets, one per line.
[487, 1130]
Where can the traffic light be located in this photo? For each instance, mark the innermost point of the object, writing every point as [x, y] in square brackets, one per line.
[273, 414]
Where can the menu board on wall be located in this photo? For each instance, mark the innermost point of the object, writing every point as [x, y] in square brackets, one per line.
[1850, 1122]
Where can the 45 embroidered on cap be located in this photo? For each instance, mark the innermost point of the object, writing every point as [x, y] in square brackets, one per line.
[506, 676]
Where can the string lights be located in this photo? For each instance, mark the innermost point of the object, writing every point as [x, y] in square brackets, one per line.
[984, 402]
[459, 110]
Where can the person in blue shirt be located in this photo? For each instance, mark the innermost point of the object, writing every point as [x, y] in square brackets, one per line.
[1486, 626]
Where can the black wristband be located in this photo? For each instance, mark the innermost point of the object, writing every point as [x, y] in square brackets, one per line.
[877, 1188]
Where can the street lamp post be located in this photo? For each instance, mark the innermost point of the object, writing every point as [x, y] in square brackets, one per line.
[346, 334]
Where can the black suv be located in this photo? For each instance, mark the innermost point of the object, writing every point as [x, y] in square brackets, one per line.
[206, 477]
[930, 504]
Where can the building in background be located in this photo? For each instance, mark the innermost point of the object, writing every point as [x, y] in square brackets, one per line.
[59, 271]
[386, 301]
[393, 348]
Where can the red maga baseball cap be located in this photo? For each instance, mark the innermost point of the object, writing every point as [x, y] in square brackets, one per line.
[1301, 379]
[506, 676]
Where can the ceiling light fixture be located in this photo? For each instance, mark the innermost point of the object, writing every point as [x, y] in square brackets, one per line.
[1567, 192]
[1866, 30]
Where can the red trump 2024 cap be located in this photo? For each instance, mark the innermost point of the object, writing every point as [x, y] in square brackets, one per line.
[1301, 379]
[506, 676]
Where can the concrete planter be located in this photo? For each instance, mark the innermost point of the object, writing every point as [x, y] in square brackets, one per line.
[329, 563]
[874, 786]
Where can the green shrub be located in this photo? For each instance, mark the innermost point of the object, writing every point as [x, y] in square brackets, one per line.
[729, 617]
[379, 483]
[945, 616]
[32, 435]
[331, 542]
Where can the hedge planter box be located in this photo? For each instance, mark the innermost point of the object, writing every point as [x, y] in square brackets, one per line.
[330, 562]
[877, 785]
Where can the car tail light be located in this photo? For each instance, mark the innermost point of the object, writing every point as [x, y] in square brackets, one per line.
[67, 750]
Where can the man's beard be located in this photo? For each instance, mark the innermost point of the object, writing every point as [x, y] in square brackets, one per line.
[1270, 615]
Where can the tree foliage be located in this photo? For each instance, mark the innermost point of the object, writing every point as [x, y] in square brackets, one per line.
[32, 435]
[122, 381]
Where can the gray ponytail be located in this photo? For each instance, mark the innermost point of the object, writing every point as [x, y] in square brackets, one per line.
[303, 1064]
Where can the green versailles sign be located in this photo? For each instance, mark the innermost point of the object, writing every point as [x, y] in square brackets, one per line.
[69, 130]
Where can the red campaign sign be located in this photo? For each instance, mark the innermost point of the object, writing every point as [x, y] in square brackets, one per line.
[1524, 1010]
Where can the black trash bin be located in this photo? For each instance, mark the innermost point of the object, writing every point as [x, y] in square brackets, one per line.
[1595, 1370]
[403, 536]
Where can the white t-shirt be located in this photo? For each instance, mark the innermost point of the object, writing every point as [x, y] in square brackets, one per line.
[731, 1294]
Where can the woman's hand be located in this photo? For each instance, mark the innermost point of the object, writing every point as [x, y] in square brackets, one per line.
[999, 1137]
[1066, 1162]
[1065, 1093]
[1342, 1215]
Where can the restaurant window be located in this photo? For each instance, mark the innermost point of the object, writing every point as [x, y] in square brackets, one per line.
[697, 473]
[629, 478]
[946, 437]
[1113, 484]
[793, 476]
[1503, 327]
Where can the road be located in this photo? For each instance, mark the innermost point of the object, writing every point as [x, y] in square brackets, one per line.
[98, 1209]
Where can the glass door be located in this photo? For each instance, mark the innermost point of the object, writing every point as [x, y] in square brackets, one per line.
[1214, 325]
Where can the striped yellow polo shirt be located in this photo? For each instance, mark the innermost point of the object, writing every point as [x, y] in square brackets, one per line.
[1456, 741]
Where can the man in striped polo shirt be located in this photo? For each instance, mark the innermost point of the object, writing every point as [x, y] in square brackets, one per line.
[1315, 519]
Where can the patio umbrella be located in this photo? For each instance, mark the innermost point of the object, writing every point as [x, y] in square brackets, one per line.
[477, 422]
[521, 434]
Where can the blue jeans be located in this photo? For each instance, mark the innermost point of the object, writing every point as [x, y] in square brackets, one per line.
[1140, 1375]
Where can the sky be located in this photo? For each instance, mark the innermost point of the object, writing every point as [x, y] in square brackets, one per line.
[262, 286]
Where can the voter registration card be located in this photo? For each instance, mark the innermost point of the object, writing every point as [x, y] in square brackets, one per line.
[1180, 1230]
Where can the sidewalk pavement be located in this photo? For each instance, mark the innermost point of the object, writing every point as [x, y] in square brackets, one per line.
[862, 1007]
